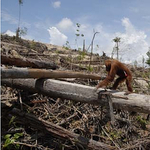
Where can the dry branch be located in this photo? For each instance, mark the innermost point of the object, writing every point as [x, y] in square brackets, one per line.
[57, 131]
[19, 62]
[82, 93]
[96, 62]
[42, 73]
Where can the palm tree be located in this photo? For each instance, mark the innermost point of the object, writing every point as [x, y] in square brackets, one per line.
[117, 40]
[18, 29]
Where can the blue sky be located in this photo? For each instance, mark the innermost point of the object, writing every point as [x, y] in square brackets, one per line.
[54, 21]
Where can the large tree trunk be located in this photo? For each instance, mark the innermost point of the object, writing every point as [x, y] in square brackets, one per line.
[82, 93]
[33, 63]
[57, 131]
[42, 73]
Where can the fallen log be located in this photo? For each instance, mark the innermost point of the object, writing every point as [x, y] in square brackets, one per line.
[57, 131]
[33, 54]
[33, 63]
[81, 93]
[43, 73]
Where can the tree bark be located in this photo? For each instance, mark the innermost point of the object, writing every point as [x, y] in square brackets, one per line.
[42, 73]
[81, 93]
[57, 131]
[33, 63]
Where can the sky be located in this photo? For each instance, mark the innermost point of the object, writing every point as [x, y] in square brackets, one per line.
[55, 22]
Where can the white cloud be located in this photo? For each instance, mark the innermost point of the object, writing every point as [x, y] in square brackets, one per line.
[10, 33]
[12, 20]
[56, 4]
[56, 37]
[7, 17]
[128, 25]
[133, 44]
[65, 24]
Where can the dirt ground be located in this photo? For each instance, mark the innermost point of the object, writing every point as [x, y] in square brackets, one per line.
[131, 130]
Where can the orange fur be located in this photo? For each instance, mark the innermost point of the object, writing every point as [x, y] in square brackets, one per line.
[114, 67]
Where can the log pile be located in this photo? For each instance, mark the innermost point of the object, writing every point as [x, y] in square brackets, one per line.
[81, 93]
[19, 62]
[55, 114]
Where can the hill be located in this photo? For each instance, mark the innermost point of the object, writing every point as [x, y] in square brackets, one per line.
[69, 59]
[25, 113]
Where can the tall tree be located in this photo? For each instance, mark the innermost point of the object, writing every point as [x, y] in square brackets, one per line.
[18, 29]
[117, 40]
[92, 43]
[148, 60]
[78, 34]
[143, 61]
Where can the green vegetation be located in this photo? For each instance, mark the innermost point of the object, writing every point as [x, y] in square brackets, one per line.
[66, 46]
[148, 60]
[12, 121]
[142, 122]
[78, 34]
[10, 141]
[81, 55]
[32, 44]
[90, 68]
[78, 31]
[115, 134]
